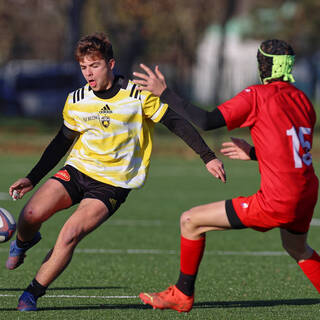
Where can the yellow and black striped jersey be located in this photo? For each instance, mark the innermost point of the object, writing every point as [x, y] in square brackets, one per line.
[116, 129]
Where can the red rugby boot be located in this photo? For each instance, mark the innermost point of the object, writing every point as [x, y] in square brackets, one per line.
[171, 298]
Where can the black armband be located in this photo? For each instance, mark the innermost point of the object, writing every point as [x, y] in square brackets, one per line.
[205, 120]
[252, 154]
[54, 152]
[188, 134]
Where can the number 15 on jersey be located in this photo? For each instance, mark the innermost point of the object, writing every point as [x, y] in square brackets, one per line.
[297, 141]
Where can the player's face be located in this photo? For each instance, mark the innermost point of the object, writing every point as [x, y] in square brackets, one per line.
[97, 72]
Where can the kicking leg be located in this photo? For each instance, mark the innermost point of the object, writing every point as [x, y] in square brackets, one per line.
[50, 198]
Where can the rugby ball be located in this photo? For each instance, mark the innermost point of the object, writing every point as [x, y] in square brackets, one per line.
[7, 225]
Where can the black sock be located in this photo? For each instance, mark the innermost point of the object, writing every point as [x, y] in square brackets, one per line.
[186, 283]
[36, 288]
[22, 244]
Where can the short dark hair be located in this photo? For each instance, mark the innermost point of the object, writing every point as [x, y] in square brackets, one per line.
[96, 44]
[276, 47]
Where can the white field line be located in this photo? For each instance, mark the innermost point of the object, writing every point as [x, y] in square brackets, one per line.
[76, 296]
[175, 252]
[4, 196]
[165, 252]
[315, 222]
[142, 223]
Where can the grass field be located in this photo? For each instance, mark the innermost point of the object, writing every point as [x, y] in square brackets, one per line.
[243, 275]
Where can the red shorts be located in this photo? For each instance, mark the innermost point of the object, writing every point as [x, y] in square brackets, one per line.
[247, 213]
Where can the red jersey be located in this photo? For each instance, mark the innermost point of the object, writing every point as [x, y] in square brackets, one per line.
[281, 120]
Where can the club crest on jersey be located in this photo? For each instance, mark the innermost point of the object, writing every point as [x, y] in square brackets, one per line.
[104, 116]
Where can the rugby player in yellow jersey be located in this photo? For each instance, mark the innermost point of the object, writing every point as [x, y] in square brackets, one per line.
[108, 123]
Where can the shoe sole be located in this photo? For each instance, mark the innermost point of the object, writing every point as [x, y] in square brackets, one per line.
[27, 309]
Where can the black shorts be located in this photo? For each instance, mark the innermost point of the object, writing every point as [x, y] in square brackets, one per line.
[80, 186]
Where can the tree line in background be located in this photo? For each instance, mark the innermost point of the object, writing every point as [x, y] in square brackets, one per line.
[152, 31]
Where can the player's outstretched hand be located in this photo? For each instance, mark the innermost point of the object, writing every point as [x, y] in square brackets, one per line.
[237, 149]
[215, 167]
[154, 82]
[20, 188]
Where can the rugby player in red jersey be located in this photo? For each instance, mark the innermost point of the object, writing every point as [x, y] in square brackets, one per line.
[281, 120]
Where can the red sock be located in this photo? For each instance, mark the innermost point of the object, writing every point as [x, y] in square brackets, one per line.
[191, 252]
[311, 268]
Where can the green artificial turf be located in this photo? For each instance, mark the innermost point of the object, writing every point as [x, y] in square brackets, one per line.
[244, 274]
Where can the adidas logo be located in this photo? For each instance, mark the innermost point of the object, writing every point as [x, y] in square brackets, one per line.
[105, 109]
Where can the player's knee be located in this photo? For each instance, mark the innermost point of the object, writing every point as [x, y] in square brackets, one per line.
[184, 219]
[186, 222]
[31, 215]
[69, 236]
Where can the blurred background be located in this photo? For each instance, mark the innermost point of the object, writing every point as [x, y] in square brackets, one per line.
[206, 48]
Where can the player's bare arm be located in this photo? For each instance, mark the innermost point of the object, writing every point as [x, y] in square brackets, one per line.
[237, 149]
[154, 82]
